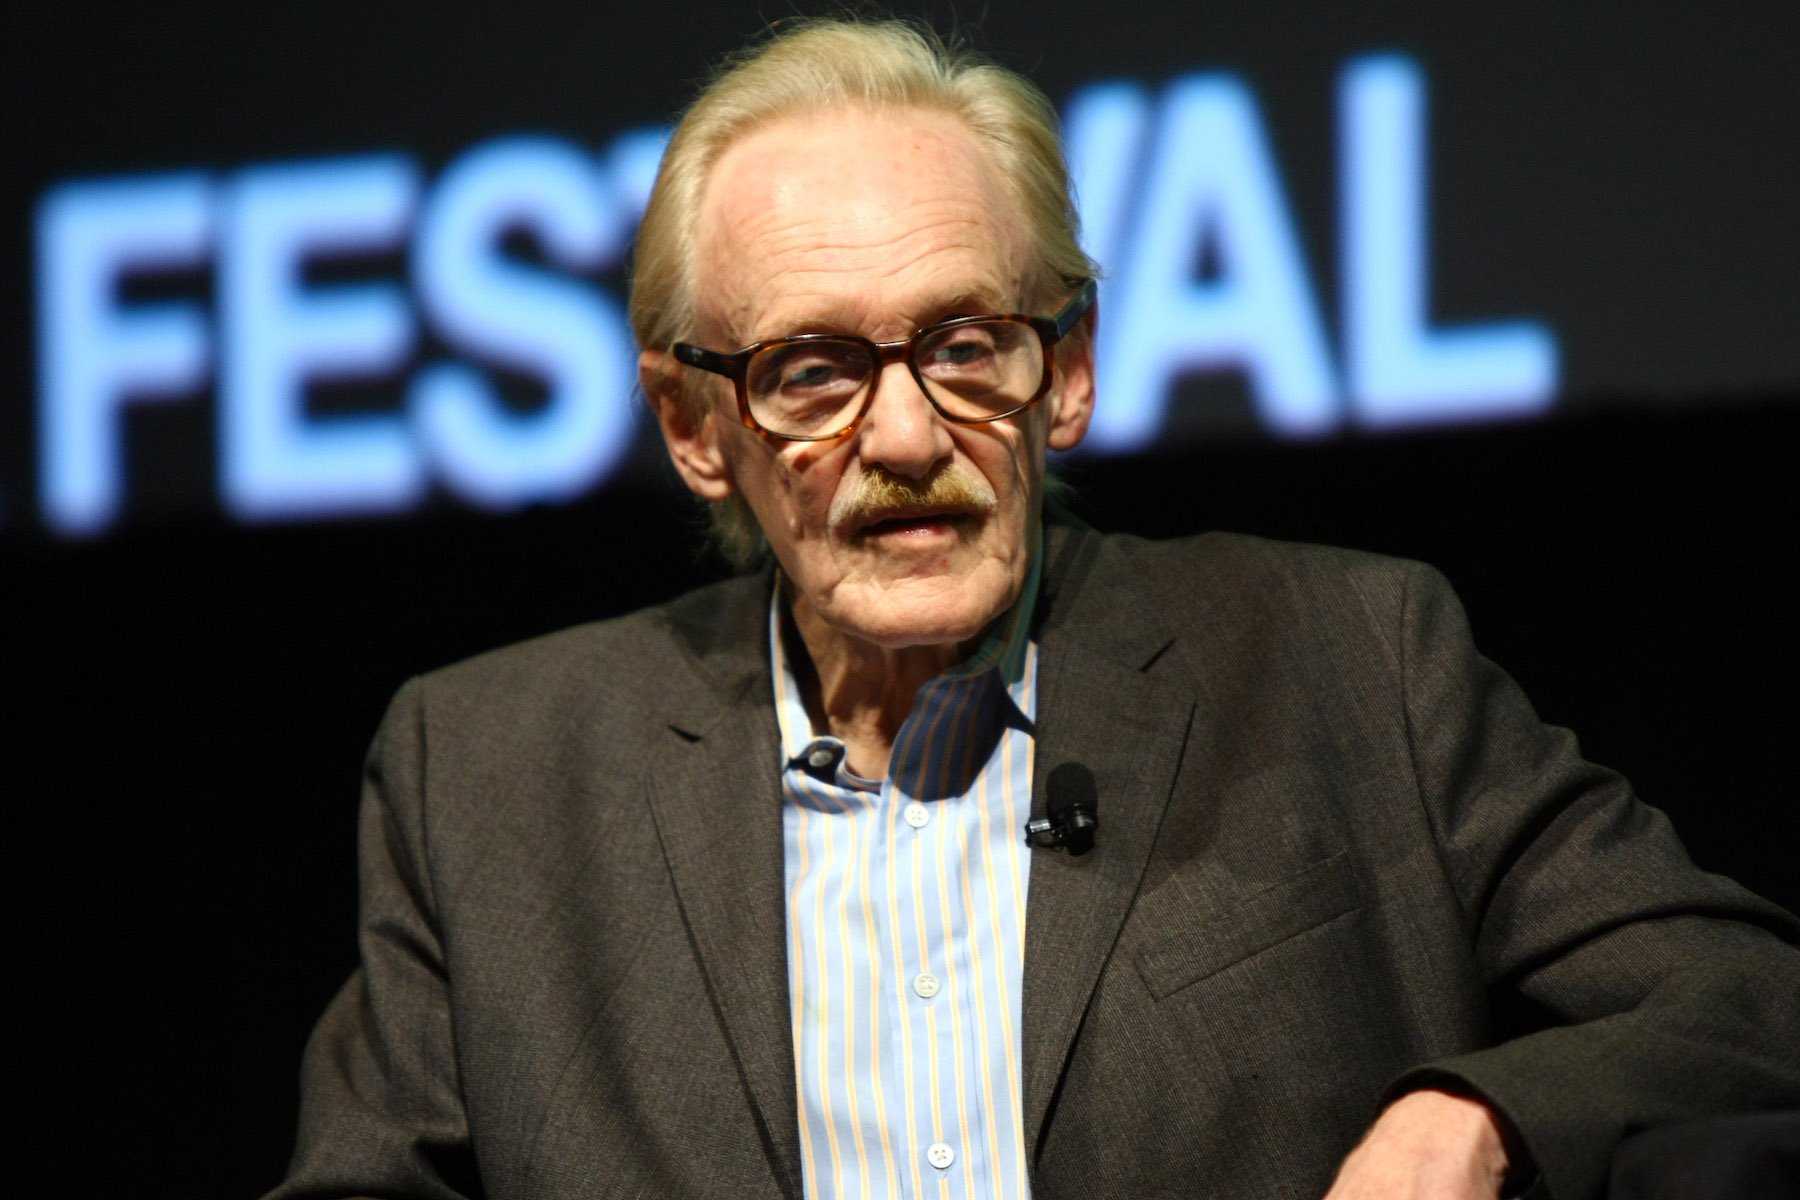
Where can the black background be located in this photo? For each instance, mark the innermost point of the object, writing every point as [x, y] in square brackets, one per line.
[190, 699]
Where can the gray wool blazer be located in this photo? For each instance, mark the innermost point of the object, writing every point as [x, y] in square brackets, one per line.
[1339, 856]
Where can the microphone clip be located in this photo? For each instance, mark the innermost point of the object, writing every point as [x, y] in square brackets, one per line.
[1072, 830]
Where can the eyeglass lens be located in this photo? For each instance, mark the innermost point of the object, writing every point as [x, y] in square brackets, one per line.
[971, 371]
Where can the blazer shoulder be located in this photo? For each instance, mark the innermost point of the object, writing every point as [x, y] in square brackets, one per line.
[704, 639]
[1242, 571]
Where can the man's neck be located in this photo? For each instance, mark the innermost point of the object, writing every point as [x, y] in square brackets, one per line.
[861, 692]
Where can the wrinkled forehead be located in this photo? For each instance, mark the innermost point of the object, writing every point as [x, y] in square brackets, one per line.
[853, 220]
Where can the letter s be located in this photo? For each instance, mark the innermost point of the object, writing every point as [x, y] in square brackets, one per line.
[476, 298]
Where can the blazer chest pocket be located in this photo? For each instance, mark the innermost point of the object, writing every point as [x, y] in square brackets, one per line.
[1214, 936]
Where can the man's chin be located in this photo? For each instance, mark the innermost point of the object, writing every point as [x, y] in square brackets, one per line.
[923, 610]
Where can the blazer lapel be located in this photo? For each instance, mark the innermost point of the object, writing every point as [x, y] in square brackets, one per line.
[715, 794]
[1097, 707]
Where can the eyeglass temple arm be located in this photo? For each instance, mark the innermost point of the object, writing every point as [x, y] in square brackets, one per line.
[1076, 308]
[728, 365]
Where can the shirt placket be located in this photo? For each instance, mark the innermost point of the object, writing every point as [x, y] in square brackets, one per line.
[933, 995]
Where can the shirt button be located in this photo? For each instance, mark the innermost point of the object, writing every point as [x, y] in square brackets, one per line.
[917, 815]
[820, 757]
[940, 1155]
[926, 985]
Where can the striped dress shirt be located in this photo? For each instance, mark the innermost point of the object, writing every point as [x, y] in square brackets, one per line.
[906, 931]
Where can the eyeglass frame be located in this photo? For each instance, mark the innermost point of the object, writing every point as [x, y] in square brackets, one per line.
[735, 365]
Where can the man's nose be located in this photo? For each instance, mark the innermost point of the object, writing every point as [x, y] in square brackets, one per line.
[902, 431]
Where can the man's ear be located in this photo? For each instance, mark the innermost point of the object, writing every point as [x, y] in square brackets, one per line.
[692, 439]
[1073, 401]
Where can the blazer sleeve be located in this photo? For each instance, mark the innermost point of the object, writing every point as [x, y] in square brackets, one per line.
[1652, 991]
[381, 1110]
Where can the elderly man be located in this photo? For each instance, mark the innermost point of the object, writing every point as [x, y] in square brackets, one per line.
[731, 897]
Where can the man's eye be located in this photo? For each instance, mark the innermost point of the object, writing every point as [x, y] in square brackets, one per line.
[811, 375]
[799, 371]
[959, 352]
[964, 348]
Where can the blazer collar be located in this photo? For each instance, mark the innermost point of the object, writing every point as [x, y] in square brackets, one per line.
[715, 795]
[1099, 705]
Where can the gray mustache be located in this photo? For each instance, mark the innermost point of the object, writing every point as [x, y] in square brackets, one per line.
[879, 492]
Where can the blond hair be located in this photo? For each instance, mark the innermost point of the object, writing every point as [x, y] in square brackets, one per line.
[820, 63]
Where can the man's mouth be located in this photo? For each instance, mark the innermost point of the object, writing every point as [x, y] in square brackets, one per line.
[911, 522]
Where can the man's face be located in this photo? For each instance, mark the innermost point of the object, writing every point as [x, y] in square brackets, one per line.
[849, 221]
